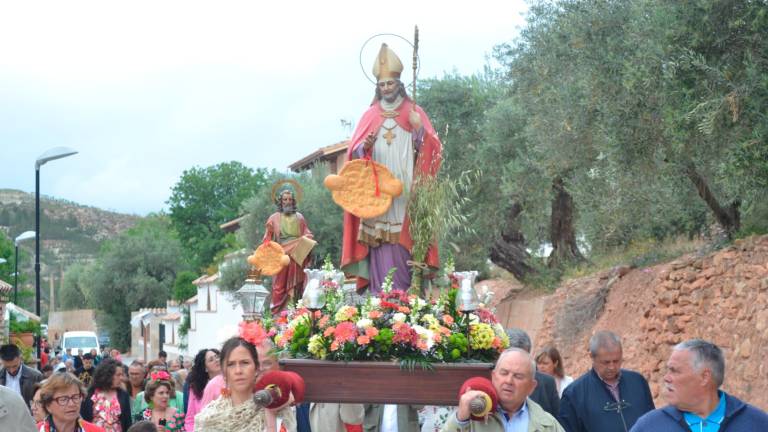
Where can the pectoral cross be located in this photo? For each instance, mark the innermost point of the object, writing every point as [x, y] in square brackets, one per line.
[388, 135]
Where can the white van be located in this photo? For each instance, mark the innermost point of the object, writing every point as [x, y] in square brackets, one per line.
[84, 340]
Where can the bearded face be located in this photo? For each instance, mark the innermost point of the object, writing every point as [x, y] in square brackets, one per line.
[389, 90]
[287, 203]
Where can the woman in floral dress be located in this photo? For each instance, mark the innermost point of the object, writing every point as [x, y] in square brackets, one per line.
[107, 404]
[157, 393]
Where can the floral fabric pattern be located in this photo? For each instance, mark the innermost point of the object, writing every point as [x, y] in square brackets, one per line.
[106, 412]
[173, 424]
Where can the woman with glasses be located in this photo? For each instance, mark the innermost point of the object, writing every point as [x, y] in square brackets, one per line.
[60, 397]
[206, 367]
[35, 405]
[106, 403]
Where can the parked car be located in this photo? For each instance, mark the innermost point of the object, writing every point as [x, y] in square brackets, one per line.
[84, 340]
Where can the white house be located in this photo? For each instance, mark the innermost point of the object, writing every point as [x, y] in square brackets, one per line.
[214, 316]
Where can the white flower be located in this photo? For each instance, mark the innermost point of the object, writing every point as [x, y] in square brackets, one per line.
[425, 334]
[474, 319]
[375, 301]
[399, 317]
[364, 323]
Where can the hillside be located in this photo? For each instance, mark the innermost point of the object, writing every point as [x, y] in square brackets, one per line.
[70, 232]
[722, 296]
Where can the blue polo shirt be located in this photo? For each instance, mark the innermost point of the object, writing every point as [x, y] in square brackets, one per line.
[709, 424]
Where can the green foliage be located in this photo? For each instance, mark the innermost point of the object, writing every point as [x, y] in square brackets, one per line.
[186, 324]
[75, 291]
[205, 198]
[7, 252]
[136, 270]
[459, 108]
[183, 288]
[233, 271]
[15, 325]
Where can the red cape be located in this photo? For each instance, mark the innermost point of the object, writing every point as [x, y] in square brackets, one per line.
[427, 162]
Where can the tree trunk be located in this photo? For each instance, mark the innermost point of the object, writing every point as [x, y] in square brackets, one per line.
[561, 232]
[508, 252]
[728, 217]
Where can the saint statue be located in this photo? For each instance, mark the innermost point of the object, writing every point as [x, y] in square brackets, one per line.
[289, 228]
[397, 133]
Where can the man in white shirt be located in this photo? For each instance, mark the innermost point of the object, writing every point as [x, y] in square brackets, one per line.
[15, 375]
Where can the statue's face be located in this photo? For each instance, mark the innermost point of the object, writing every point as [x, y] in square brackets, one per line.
[286, 199]
[287, 202]
[388, 89]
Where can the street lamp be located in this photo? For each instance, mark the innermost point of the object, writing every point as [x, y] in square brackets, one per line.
[52, 154]
[252, 296]
[26, 235]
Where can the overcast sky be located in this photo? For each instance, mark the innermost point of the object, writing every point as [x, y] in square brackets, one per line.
[146, 89]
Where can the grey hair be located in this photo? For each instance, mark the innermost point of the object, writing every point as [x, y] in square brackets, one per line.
[527, 355]
[518, 338]
[604, 339]
[705, 354]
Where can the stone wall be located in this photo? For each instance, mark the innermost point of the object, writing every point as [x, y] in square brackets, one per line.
[722, 297]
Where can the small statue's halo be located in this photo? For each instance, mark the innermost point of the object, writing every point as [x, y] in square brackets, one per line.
[297, 189]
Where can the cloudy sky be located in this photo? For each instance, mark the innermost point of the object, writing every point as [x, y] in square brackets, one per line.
[146, 89]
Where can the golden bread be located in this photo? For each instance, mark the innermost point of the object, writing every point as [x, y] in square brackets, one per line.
[269, 258]
[354, 188]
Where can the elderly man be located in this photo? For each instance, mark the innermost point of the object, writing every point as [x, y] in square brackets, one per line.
[17, 376]
[695, 372]
[513, 380]
[397, 133]
[607, 398]
[545, 394]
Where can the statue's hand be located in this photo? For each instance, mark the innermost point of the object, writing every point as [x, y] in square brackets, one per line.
[369, 140]
[415, 120]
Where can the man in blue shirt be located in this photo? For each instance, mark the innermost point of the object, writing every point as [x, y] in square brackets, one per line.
[695, 372]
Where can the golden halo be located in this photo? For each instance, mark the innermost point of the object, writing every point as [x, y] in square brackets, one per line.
[298, 191]
[389, 37]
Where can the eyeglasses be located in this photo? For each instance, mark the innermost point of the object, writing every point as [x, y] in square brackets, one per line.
[64, 400]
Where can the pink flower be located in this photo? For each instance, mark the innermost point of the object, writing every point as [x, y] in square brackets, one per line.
[252, 331]
[363, 340]
[345, 332]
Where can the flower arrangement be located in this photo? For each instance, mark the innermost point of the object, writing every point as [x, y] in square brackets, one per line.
[393, 325]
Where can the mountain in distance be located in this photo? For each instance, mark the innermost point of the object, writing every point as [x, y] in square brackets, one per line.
[70, 232]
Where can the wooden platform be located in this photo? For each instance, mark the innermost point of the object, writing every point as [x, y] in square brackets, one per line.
[383, 382]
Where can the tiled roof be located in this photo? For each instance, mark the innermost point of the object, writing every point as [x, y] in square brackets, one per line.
[319, 154]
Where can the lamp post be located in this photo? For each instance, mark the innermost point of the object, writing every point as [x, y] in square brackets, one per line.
[252, 296]
[26, 235]
[51, 154]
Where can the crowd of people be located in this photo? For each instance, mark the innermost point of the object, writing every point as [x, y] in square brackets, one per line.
[215, 393]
